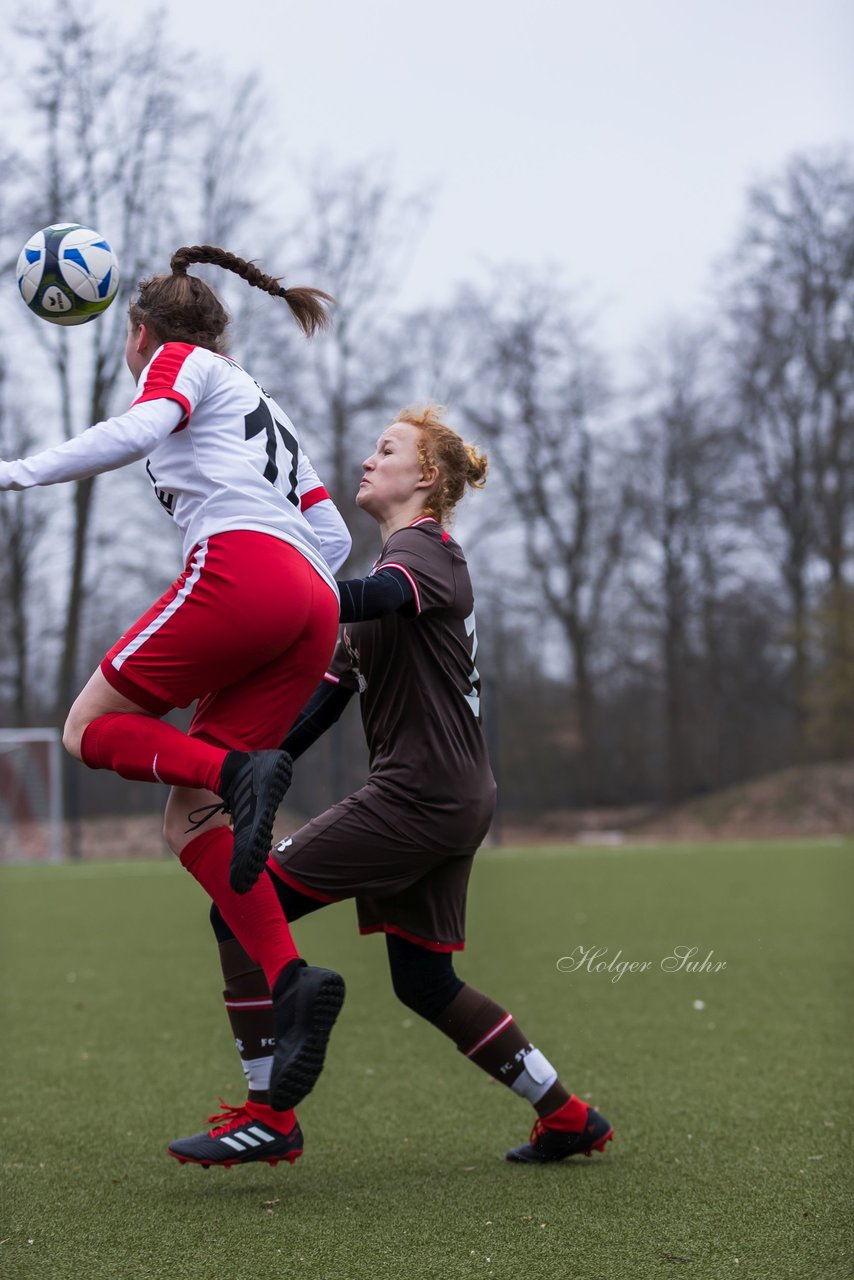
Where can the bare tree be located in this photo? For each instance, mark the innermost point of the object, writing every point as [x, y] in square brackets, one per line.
[140, 132]
[116, 176]
[23, 528]
[541, 402]
[830, 696]
[685, 536]
[356, 233]
[789, 300]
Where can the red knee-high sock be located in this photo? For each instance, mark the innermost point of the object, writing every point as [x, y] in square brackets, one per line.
[147, 750]
[255, 918]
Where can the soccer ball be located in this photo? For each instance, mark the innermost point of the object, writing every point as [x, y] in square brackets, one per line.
[67, 274]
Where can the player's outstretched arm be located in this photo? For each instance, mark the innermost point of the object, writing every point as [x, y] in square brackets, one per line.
[104, 447]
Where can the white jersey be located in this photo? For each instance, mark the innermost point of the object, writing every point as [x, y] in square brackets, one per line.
[234, 460]
[222, 456]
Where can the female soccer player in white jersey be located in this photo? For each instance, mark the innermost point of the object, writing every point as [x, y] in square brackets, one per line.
[245, 631]
[403, 845]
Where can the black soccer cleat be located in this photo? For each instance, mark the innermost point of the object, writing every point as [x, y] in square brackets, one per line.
[547, 1144]
[241, 1135]
[252, 787]
[306, 1002]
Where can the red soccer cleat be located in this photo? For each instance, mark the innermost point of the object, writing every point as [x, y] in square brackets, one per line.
[550, 1142]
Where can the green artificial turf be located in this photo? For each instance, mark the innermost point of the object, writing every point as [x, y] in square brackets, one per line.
[732, 1148]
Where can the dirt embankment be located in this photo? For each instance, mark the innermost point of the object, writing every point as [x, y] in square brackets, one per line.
[810, 800]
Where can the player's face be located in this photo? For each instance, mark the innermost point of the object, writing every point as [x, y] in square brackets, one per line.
[133, 356]
[393, 473]
[140, 347]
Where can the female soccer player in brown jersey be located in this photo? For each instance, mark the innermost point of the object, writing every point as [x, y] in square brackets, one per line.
[403, 845]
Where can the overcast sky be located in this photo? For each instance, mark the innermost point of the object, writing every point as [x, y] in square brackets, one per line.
[613, 138]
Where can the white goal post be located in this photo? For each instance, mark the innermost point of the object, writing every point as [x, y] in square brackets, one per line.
[31, 818]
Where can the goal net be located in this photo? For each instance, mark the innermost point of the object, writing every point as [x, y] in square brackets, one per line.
[31, 826]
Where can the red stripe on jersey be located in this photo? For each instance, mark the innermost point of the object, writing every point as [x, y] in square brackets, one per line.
[446, 537]
[160, 382]
[392, 564]
[331, 678]
[310, 499]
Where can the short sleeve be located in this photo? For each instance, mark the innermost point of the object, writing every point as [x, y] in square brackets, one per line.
[309, 487]
[423, 555]
[174, 374]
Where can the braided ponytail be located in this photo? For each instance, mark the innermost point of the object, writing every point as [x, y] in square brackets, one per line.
[307, 305]
[183, 308]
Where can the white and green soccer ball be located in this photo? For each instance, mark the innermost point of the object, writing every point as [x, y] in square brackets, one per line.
[67, 274]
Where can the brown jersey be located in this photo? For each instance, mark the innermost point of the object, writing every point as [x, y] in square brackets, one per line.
[420, 694]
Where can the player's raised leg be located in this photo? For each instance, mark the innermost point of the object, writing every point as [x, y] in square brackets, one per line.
[106, 730]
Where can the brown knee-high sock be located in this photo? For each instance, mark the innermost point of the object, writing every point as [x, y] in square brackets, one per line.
[488, 1035]
[250, 1011]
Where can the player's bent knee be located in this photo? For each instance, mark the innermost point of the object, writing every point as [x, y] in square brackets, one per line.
[175, 832]
[174, 825]
[179, 827]
[177, 837]
[221, 929]
[425, 981]
[172, 839]
[72, 734]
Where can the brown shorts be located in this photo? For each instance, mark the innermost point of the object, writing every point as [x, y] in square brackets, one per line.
[401, 885]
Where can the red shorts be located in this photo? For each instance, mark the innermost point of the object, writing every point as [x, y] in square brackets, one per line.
[247, 629]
